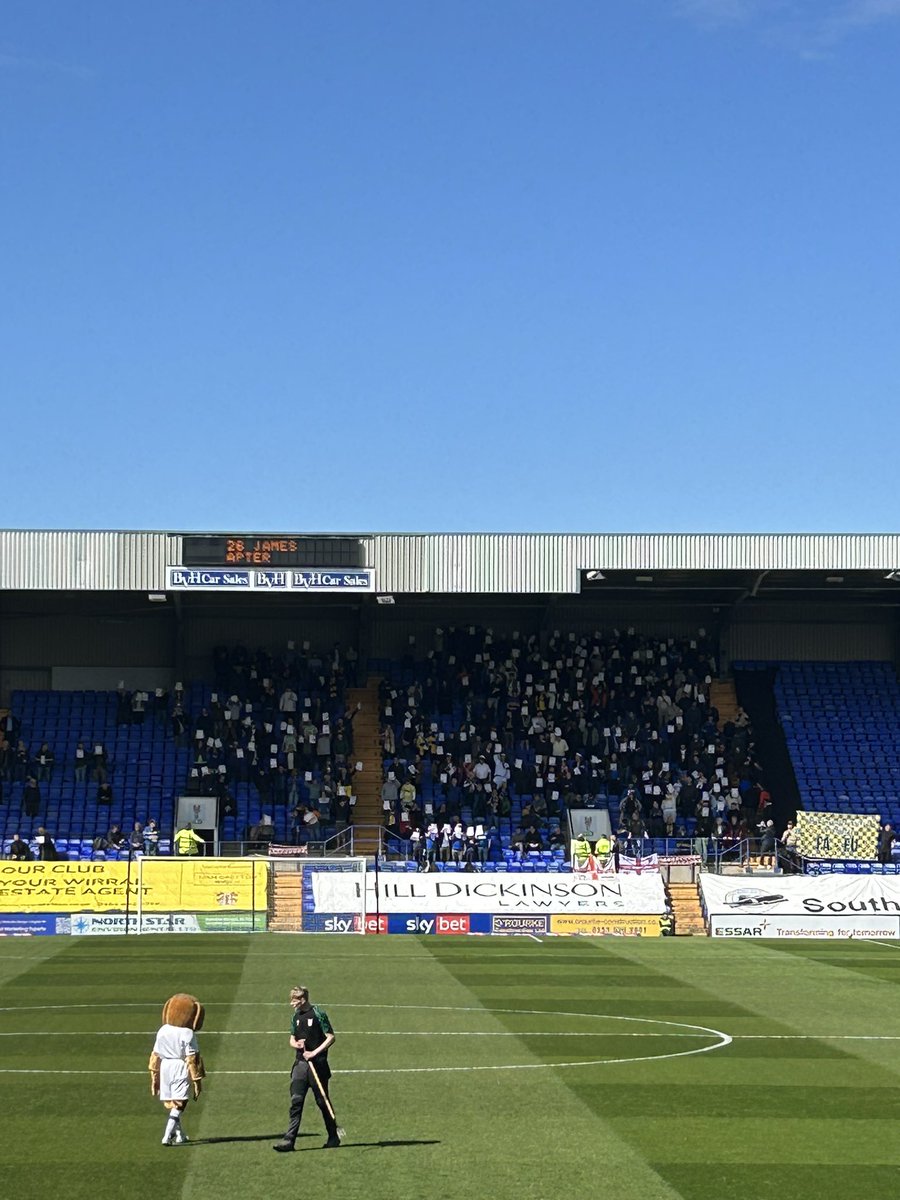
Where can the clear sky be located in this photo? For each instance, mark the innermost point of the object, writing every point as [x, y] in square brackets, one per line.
[584, 265]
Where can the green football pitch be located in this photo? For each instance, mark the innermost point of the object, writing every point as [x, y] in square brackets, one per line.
[464, 1067]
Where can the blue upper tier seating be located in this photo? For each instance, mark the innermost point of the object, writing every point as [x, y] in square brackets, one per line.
[841, 723]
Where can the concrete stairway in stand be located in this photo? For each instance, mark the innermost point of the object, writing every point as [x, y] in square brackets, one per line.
[686, 909]
[722, 695]
[286, 903]
[367, 750]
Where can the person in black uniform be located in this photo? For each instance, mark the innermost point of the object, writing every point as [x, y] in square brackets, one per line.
[312, 1037]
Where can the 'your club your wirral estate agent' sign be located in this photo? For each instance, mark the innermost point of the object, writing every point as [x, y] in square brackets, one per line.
[239, 579]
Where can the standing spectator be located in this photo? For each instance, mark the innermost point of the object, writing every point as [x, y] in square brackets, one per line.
[767, 844]
[45, 760]
[179, 726]
[885, 845]
[390, 792]
[31, 797]
[160, 706]
[99, 763]
[46, 846]
[20, 762]
[187, 841]
[81, 763]
[789, 842]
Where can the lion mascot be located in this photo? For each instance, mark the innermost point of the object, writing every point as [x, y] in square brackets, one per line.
[176, 1067]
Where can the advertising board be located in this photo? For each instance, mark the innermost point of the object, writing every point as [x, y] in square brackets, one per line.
[772, 926]
[493, 894]
[853, 906]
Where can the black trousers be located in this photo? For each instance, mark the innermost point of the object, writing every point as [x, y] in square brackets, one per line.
[301, 1083]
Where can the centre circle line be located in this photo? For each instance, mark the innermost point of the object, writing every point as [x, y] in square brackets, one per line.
[724, 1039]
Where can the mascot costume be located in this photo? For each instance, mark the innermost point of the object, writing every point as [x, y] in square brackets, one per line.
[176, 1067]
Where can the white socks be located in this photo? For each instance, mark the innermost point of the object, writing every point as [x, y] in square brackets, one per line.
[173, 1125]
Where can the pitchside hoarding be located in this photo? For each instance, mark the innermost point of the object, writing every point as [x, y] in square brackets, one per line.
[493, 894]
[168, 885]
[564, 924]
[862, 906]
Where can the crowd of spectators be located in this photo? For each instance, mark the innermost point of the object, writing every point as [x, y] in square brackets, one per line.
[488, 740]
[495, 730]
[279, 723]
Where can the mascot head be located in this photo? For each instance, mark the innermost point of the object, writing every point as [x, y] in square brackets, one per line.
[184, 1011]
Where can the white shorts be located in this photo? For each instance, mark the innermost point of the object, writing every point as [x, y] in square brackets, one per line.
[174, 1081]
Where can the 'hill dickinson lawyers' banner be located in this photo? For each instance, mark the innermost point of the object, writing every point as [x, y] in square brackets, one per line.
[491, 893]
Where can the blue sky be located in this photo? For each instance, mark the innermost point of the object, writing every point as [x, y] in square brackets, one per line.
[626, 265]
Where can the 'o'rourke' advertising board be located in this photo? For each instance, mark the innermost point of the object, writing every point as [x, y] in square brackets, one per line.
[798, 906]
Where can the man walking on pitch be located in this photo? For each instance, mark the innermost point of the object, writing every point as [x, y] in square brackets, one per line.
[311, 1037]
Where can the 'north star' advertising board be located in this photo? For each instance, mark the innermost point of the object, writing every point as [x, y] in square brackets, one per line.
[497, 894]
[803, 906]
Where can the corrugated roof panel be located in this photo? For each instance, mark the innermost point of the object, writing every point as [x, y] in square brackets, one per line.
[447, 563]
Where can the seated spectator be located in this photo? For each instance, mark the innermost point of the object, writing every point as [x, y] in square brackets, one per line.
[263, 831]
[557, 838]
[151, 837]
[115, 838]
[20, 851]
[136, 838]
[104, 793]
[533, 841]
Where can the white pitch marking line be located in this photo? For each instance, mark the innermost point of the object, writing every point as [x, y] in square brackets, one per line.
[356, 1032]
[471, 1033]
[815, 1037]
[724, 1039]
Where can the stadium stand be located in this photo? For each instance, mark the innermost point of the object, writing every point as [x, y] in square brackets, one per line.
[507, 733]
